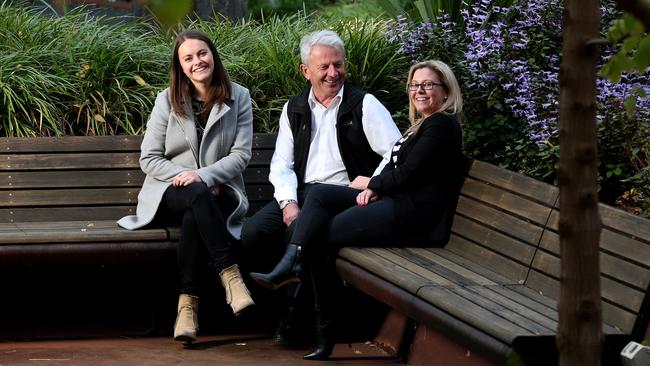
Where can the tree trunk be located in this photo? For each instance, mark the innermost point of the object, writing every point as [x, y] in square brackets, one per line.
[579, 338]
[234, 10]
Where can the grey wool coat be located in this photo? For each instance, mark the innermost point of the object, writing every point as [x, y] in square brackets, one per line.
[170, 146]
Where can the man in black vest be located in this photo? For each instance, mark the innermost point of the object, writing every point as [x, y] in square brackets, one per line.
[330, 133]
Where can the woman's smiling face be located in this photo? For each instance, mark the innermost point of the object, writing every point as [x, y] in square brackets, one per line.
[427, 102]
[196, 60]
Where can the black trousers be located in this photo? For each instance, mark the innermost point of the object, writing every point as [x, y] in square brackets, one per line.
[264, 236]
[330, 216]
[203, 232]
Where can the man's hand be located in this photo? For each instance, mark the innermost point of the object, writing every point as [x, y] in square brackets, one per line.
[185, 178]
[290, 212]
[360, 182]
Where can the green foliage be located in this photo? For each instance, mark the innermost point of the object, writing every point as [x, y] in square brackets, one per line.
[513, 359]
[80, 75]
[431, 10]
[634, 52]
[73, 74]
[169, 13]
[262, 9]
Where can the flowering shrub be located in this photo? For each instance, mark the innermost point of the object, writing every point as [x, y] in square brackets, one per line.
[507, 60]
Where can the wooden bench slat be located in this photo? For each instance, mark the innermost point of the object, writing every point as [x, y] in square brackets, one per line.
[264, 141]
[69, 144]
[546, 318]
[613, 315]
[427, 265]
[82, 231]
[611, 290]
[506, 201]
[515, 182]
[454, 268]
[630, 272]
[629, 249]
[488, 259]
[493, 240]
[507, 309]
[40, 214]
[624, 222]
[450, 301]
[466, 263]
[69, 179]
[388, 270]
[116, 160]
[499, 220]
[256, 175]
[69, 197]
[261, 157]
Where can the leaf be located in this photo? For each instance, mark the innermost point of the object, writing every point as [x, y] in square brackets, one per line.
[170, 12]
[642, 56]
[140, 81]
[630, 105]
[100, 118]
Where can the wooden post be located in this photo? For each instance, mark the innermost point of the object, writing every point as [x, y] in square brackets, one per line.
[579, 338]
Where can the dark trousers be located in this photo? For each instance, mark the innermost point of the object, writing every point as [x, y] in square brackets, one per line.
[203, 232]
[329, 220]
[264, 236]
[330, 216]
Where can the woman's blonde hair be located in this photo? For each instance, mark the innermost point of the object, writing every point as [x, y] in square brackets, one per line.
[454, 102]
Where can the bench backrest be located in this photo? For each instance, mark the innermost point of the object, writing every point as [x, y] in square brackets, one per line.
[509, 223]
[624, 268]
[91, 178]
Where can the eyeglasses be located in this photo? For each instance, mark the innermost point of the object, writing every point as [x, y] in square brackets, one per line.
[427, 85]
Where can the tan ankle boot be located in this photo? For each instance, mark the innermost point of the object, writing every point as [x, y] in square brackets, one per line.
[237, 295]
[187, 319]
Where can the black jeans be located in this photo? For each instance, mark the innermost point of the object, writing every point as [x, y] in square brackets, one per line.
[330, 216]
[331, 219]
[203, 229]
[264, 236]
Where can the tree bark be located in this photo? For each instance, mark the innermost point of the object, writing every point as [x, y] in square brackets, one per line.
[234, 10]
[579, 338]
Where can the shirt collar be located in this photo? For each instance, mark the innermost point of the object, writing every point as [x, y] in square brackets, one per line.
[312, 100]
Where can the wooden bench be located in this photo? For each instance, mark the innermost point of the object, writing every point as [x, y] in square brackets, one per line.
[59, 202]
[60, 198]
[494, 287]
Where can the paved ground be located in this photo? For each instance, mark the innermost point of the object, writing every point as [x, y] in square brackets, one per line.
[209, 350]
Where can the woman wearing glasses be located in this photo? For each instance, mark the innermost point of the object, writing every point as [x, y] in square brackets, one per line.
[400, 206]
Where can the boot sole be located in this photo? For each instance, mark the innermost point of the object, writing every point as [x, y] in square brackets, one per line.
[273, 286]
[187, 340]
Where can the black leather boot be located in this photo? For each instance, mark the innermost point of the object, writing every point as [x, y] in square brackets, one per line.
[286, 271]
[324, 343]
[287, 331]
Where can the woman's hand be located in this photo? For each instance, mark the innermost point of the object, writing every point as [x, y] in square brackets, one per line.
[366, 196]
[186, 178]
[360, 182]
[215, 190]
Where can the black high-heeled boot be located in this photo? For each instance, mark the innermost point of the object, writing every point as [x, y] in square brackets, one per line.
[286, 271]
[324, 343]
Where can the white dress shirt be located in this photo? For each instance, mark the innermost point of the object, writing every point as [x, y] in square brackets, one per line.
[324, 162]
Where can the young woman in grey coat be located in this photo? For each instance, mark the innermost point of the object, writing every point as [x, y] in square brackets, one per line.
[196, 146]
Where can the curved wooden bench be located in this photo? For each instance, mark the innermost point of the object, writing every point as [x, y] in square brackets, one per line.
[493, 288]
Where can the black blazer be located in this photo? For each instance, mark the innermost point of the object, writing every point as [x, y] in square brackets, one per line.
[430, 167]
